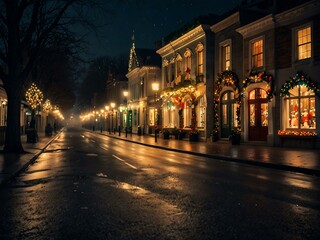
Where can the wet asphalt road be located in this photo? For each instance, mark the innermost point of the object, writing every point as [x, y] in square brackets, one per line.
[89, 186]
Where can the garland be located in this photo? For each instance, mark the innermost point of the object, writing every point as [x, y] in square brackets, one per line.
[258, 77]
[230, 79]
[299, 79]
[226, 78]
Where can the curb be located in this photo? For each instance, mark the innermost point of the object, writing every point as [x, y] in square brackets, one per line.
[307, 171]
[29, 162]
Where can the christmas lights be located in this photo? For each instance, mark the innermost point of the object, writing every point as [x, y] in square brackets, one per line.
[299, 79]
[34, 96]
[258, 77]
[230, 79]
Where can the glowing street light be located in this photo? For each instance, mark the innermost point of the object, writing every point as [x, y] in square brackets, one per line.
[155, 89]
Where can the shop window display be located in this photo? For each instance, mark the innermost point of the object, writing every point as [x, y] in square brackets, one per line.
[301, 108]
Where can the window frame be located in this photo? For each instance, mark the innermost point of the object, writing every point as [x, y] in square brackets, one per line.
[222, 59]
[295, 42]
[251, 42]
[299, 99]
[200, 64]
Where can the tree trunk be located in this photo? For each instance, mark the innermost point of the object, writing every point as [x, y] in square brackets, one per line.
[13, 135]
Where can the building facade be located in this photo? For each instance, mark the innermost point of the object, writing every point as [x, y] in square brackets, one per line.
[187, 82]
[144, 70]
[281, 92]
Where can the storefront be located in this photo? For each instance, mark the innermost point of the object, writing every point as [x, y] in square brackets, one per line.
[299, 107]
[257, 90]
[227, 104]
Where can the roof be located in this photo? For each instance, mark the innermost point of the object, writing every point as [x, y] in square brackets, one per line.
[140, 57]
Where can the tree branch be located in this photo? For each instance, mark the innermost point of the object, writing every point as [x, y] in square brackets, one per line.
[33, 22]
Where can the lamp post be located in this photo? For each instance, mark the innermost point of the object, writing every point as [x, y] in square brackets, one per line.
[108, 119]
[155, 88]
[125, 94]
[112, 107]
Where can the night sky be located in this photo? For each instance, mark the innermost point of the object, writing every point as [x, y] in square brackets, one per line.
[151, 20]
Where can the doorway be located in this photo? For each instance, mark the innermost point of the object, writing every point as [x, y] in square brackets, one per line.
[228, 114]
[258, 115]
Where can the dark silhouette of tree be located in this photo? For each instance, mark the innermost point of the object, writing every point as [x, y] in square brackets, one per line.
[26, 28]
[92, 92]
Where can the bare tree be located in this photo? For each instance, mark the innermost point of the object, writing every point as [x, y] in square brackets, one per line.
[26, 27]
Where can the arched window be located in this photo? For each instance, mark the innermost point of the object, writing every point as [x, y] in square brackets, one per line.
[179, 65]
[200, 60]
[301, 108]
[187, 56]
[187, 112]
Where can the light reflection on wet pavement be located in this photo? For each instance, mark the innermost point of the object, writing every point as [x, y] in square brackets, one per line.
[88, 190]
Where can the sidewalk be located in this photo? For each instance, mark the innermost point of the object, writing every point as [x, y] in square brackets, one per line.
[306, 161]
[12, 164]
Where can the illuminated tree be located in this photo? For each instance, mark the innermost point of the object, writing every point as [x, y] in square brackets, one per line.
[34, 96]
[26, 28]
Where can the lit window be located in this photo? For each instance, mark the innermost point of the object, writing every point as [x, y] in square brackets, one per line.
[200, 49]
[226, 53]
[304, 43]
[301, 105]
[187, 113]
[179, 65]
[257, 54]
[200, 113]
[187, 56]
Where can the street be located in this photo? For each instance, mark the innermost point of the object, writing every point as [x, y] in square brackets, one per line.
[90, 186]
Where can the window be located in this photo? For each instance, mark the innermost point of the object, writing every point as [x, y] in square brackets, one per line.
[165, 66]
[187, 113]
[301, 105]
[187, 69]
[226, 54]
[304, 43]
[172, 71]
[179, 65]
[170, 115]
[257, 53]
[200, 112]
[199, 50]
[228, 110]
[187, 56]
[151, 116]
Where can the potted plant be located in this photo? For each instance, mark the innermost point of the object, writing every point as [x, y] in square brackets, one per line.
[182, 134]
[166, 134]
[193, 135]
[214, 135]
[235, 136]
[175, 132]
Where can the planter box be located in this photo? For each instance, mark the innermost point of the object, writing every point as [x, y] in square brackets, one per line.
[235, 139]
[194, 137]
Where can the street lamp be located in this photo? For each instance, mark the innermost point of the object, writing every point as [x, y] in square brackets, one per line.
[125, 94]
[108, 118]
[112, 107]
[155, 89]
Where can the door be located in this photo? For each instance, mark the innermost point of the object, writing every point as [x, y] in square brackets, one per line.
[258, 115]
[228, 114]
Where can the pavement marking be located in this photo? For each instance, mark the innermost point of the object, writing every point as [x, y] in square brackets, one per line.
[120, 159]
[105, 148]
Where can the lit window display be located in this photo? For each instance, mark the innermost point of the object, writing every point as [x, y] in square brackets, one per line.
[301, 111]
[200, 110]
